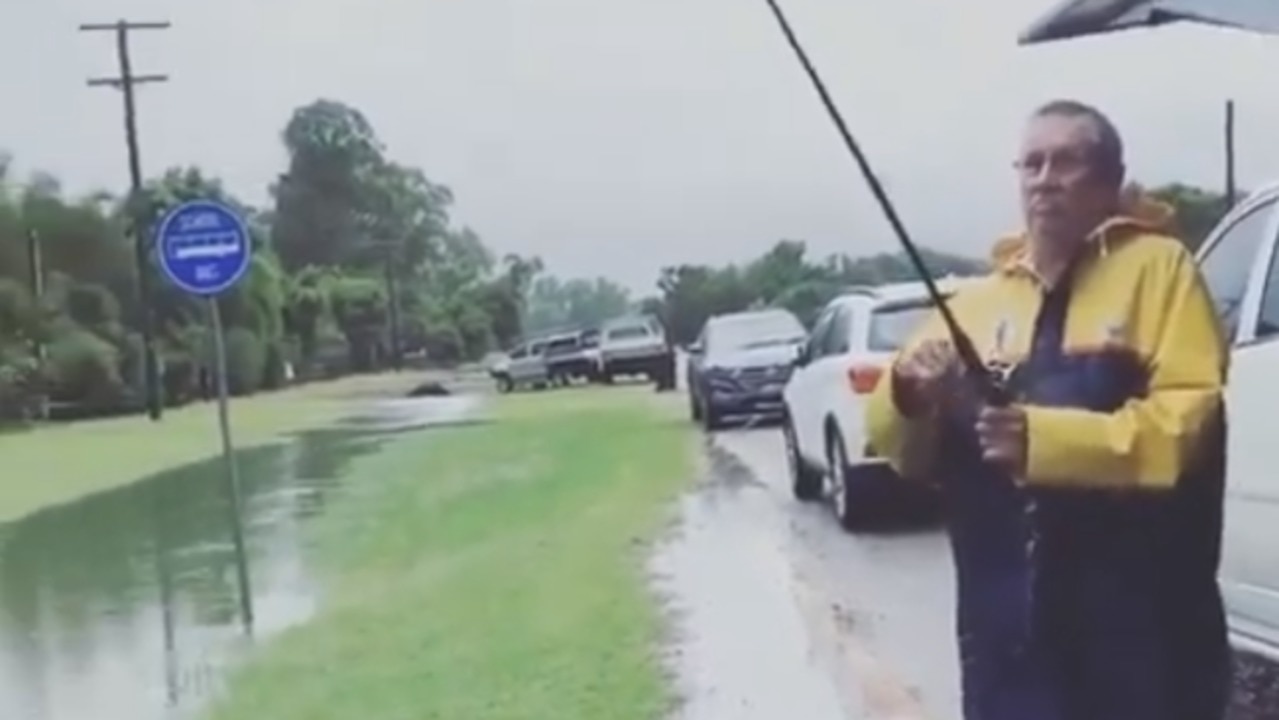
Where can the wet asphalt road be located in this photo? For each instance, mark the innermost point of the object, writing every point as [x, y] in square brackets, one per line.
[884, 600]
[780, 613]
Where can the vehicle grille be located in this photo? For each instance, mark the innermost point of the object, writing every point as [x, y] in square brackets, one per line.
[754, 378]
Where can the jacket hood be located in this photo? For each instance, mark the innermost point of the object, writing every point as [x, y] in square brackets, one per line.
[1138, 212]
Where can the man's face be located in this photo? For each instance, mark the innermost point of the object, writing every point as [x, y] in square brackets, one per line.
[1063, 193]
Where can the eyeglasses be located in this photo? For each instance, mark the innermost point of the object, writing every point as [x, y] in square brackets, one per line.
[1068, 164]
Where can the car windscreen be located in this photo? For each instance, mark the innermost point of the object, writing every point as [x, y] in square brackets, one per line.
[754, 331]
[892, 325]
[629, 332]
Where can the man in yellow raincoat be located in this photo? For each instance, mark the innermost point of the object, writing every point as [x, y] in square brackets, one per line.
[1085, 519]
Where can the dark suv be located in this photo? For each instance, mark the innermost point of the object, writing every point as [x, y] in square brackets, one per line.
[740, 364]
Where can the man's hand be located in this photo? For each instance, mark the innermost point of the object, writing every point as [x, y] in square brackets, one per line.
[1001, 432]
[924, 377]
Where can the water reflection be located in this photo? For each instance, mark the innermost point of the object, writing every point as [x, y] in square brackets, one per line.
[127, 604]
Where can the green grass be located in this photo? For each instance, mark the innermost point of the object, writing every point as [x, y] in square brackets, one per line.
[487, 573]
[59, 463]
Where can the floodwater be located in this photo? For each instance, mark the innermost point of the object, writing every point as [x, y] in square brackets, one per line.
[130, 604]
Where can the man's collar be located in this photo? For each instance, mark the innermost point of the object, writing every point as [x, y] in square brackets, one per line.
[1011, 253]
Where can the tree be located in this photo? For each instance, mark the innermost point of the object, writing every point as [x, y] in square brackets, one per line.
[781, 277]
[333, 155]
[1197, 210]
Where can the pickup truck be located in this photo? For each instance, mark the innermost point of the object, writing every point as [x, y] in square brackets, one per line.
[636, 346]
[573, 356]
[524, 366]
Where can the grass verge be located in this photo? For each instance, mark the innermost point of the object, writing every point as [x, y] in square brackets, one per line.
[488, 572]
[60, 463]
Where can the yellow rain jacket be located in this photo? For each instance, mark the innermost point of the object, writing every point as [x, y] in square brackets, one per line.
[1087, 589]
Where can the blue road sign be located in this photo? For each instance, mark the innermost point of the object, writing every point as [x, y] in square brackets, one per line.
[204, 247]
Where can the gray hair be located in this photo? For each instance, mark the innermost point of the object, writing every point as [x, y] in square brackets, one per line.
[1109, 151]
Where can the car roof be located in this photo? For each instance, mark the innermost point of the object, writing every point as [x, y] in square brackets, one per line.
[630, 321]
[749, 314]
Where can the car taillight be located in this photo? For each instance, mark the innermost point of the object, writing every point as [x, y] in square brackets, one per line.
[863, 378]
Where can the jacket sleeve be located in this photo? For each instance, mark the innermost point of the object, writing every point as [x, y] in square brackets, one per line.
[1150, 441]
[907, 443]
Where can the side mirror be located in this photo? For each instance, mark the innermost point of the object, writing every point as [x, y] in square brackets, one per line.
[801, 356]
[695, 348]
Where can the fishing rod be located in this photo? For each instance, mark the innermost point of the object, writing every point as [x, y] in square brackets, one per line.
[991, 385]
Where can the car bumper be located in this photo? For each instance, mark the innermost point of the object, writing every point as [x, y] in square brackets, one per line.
[752, 402]
[636, 364]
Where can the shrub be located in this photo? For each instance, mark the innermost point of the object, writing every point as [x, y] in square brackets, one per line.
[246, 360]
[84, 368]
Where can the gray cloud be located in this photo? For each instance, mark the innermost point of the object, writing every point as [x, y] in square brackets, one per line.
[617, 137]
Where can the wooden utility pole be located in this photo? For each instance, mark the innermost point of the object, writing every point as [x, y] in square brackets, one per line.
[139, 219]
[393, 306]
[1230, 154]
[35, 271]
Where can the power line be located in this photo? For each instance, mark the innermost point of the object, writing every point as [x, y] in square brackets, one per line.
[138, 216]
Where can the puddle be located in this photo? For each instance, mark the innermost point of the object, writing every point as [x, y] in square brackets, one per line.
[128, 605]
[739, 649]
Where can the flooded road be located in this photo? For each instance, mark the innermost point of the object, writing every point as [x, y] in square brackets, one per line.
[127, 605]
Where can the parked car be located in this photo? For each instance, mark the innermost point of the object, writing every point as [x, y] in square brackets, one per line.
[525, 366]
[740, 363]
[853, 340]
[572, 356]
[636, 346]
[1240, 265]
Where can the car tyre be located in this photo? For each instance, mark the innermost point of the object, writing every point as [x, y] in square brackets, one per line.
[806, 482]
[712, 418]
[852, 515]
[694, 408]
[504, 384]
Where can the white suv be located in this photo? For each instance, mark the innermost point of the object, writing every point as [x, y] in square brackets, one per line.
[853, 340]
[1240, 264]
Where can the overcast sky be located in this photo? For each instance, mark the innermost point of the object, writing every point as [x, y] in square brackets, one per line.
[616, 136]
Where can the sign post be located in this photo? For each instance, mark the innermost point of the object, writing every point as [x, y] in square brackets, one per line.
[204, 248]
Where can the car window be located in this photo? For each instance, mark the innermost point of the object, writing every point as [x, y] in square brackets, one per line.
[1227, 264]
[754, 330]
[536, 349]
[519, 352]
[837, 341]
[1268, 319]
[892, 325]
[629, 332]
[817, 338]
[561, 346]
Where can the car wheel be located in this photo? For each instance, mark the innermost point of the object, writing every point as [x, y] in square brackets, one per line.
[806, 483]
[850, 514]
[666, 376]
[712, 418]
[504, 384]
[606, 376]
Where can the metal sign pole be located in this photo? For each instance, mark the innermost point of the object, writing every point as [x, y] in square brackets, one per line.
[232, 472]
[204, 248]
